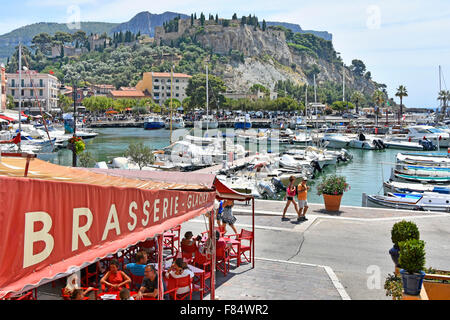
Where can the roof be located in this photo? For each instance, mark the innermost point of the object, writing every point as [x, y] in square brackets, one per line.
[39, 169]
[127, 93]
[168, 75]
[108, 213]
[200, 180]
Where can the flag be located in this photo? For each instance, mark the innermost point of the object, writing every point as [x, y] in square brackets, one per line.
[51, 72]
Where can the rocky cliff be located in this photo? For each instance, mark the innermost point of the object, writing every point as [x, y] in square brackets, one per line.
[266, 57]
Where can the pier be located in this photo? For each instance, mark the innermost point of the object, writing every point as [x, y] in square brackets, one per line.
[260, 123]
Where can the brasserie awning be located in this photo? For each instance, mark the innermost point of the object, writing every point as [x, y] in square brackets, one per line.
[61, 219]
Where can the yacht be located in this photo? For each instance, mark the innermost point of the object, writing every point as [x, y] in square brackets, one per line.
[207, 122]
[424, 132]
[243, 122]
[335, 141]
[296, 122]
[153, 122]
[177, 123]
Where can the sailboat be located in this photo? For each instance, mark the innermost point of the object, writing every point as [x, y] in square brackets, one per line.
[207, 121]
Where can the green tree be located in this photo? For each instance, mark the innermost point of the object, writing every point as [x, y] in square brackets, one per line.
[175, 104]
[264, 25]
[234, 17]
[401, 92]
[444, 97]
[140, 154]
[357, 98]
[10, 102]
[196, 90]
[42, 42]
[202, 19]
[65, 103]
[379, 99]
[358, 67]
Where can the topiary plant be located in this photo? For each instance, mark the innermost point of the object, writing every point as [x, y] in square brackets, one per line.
[404, 230]
[412, 255]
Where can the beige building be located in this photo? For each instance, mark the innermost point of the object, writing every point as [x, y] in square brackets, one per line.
[2, 88]
[158, 86]
[37, 88]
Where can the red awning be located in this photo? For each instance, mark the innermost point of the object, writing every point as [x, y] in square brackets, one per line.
[6, 118]
[224, 192]
[60, 227]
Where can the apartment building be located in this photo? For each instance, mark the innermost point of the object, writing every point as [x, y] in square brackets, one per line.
[158, 86]
[35, 88]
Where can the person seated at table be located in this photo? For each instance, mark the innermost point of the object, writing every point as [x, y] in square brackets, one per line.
[73, 283]
[179, 269]
[137, 268]
[125, 294]
[149, 286]
[202, 255]
[115, 279]
[150, 246]
[188, 245]
[77, 294]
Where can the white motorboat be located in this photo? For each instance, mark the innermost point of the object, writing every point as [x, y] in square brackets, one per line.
[424, 159]
[296, 122]
[423, 201]
[423, 132]
[406, 187]
[207, 122]
[177, 123]
[335, 141]
[404, 145]
[366, 143]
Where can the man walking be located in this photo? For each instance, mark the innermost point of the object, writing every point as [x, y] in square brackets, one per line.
[302, 195]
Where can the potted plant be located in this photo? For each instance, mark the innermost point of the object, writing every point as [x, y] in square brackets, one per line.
[76, 144]
[332, 188]
[393, 286]
[402, 231]
[412, 260]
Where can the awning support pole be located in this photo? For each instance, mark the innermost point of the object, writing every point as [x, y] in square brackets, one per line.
[253, 230]
[160, 267]
[213, 256]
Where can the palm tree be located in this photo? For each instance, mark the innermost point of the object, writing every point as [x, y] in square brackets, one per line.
[401, 92]
[444, 96]
[379, 99]
[357, 97]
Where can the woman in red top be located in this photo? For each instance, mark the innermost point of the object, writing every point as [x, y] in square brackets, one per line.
[290, 194]
[115, 279]
[188, 246]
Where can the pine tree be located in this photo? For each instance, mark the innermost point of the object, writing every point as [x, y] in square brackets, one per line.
[234, 17]
[202, 19]
[195, 16]
[243, 20]
[264, 25]
[192, 20]
[217, 18]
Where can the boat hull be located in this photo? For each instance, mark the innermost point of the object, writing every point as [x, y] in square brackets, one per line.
[242, 125]
[153, 125]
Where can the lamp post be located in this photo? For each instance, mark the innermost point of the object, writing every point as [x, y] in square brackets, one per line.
[74, 81]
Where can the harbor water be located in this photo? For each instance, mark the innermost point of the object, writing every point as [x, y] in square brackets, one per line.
[365, 173]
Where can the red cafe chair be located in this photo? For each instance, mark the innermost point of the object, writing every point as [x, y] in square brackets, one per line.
[136, 282]
[223, 257]
[173, 284]
[244, 249]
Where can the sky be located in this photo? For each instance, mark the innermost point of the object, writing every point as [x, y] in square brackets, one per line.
[402, 42]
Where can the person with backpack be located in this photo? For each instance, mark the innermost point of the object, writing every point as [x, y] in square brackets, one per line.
[290, 194]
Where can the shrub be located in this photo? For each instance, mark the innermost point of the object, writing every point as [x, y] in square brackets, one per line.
[412, 255]
[404, 230]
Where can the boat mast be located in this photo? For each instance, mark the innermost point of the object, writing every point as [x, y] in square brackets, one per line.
[207, 99]
[20, 95]
[171, 110]
[343, 82]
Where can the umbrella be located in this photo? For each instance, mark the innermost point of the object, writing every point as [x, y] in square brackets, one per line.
[111, 111]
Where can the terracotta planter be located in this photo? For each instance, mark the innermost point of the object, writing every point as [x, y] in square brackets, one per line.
[332, 202]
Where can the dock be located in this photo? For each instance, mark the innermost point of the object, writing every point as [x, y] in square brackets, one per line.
[235, 165]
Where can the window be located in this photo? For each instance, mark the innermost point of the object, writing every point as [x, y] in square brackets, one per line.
[23, 83]
[13, 92]
[22, 93]
[41, 92]
[178, 88]
[41, 82]
[177, 95]
[13, 83]
[177, 80]
[31, 93]
[156, 88]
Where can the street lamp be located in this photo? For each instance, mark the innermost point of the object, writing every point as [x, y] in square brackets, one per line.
[74, 80]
